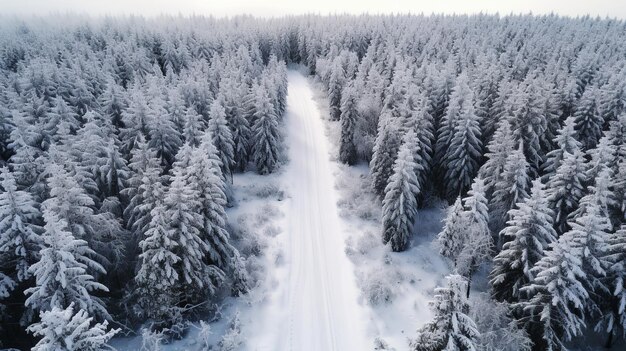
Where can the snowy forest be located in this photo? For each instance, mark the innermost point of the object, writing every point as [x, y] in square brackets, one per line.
[121, 140]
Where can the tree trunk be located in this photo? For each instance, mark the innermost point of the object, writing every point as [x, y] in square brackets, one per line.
[469, 283]
[609, 340]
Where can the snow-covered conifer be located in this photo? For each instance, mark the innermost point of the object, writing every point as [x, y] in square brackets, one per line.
[62, 273]
[349, 115]
[265, 136]
[385, 152]
[566, 188]
[61, 329]
[527, 236]
[19, 233]
[567, 142]
[589, 122]
[451, 327]
[222, 138]
[400, 202]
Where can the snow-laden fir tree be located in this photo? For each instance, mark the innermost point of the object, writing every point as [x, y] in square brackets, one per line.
[527, 236]
[555, 300]
[420, 120]
[459, 106]
[222, 138]
[20, 239]
[385, 152]
[602, 158]
[193, 127]
[463, 153]
[567, 142]
[349, 115]
[590, 231]
[499, 149]
[112, 103]
[588, 120]
[113, 172]
[164, 136]
[62, 273]
[238, 123]
[400, 202]
[186, 226]
[511, 188]
[566, 188]
[335, 87]
[60, 329]
[137, 119]
[452, 236]
[613, 321]
[529, 122]
[477, 241]
[158, 276]
[265, 135]
[451, 327]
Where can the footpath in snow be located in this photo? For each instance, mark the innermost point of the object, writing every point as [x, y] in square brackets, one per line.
[315, 303]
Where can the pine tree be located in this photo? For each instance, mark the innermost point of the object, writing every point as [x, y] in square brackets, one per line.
[509, 190]
[421, 122]
[463, 154]
[614, 308]
[451, 238]
[61, 329]
[499, 149]
[265, 135]
[557, 296]
[589, 122]
[158, 275]
[113, 172]
[477, 242]
[527, 236]
[193, 127]
[164, 136]
[567, 142]
[61, 274]
[590, 231]
[335, 86]
[385, 152]
[19, 233]
[529, 122]
[566, 188]
[451, 327]
[222, 138]
[349, 115]
[186, 225]
[460, 107]
[400, 202]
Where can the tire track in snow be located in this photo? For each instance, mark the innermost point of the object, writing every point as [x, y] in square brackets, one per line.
[315, 305]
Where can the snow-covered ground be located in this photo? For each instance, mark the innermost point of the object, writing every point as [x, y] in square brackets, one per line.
[315, 303]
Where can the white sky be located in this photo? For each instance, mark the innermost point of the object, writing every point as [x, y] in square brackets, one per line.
[268, 8]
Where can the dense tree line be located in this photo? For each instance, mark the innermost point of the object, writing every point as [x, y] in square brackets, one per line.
[519, 123]
[120, 137]
[119, 143]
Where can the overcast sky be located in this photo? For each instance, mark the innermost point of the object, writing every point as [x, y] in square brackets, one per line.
[266, 8]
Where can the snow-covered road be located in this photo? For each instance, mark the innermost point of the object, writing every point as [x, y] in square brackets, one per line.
[314, 305]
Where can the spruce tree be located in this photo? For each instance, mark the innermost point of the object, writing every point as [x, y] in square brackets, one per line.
[567, 142]
[613, 320]
[349, 115]
[589, 122]
[566, 188]
[451, 237]
[499, 149]
[385, 152]
[335, 86]
[222, 138]
[463, 154]
[556, 298]
[451, 327]
[61, 329]
[509, 190]
[527, 236]
[400, 202]
[193, 127]
[20, 239]
[265, 135]
[62, 273]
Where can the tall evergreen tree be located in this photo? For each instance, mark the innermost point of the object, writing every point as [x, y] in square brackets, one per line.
[222, 138]
[567, 142]
[265, 136]
[20, 239]
[527, 236]
[385, 152]
[400, 202]
[589, 122]
[566, 188]
[349, 115]
[451, 327]
[62, 273]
